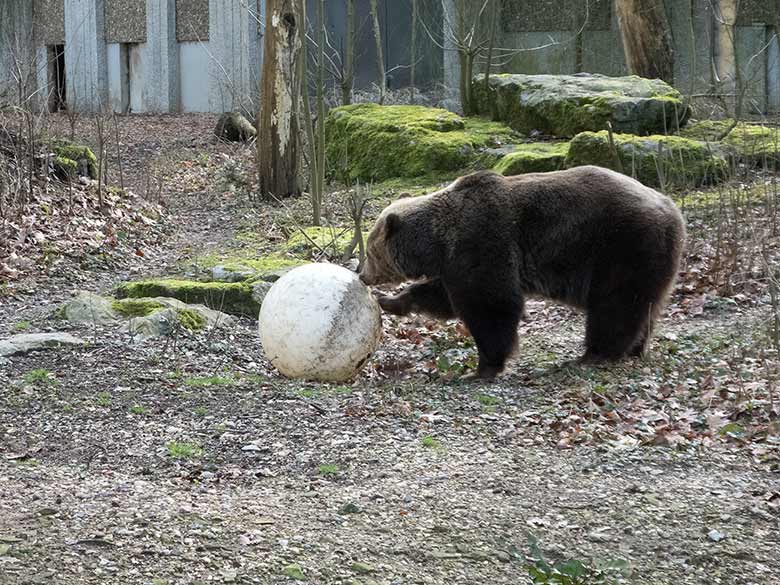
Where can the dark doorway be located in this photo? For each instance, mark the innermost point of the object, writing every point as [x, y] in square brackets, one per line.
[57, 83]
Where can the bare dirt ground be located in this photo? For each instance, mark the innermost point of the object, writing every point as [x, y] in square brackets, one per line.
[188, 460]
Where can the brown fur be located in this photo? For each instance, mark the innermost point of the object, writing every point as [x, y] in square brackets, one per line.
[589, 237]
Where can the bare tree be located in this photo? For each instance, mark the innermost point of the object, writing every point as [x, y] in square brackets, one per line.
[647, 38]
[380, 60]
[348, 77]
[413, 50]
[278, 127]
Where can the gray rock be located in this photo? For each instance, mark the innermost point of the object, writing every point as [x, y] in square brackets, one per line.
[89, 308]
[27, 342]
[234, 127]
[565, 105]
[259, 290]
[221, 273]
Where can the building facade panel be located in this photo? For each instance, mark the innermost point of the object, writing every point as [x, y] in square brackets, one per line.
[192, 20]
[49, 22]
[125, 21]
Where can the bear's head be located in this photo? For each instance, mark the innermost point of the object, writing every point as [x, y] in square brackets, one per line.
[401, 245]
[380, 265]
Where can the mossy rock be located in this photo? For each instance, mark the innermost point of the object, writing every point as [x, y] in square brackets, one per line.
[534, 157]
[190, 319]
[657, 161]
[72, 160]
[752, 144]
[234, 127]
[234, 298]
[565, 105]
[131, 308]
[369, 142]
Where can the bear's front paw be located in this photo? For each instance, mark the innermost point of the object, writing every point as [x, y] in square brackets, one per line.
[393, 305]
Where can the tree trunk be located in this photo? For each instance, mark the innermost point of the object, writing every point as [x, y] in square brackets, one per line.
[349, 56]
[647, 38]
[380, 60]
[413, 52]
[277, 136]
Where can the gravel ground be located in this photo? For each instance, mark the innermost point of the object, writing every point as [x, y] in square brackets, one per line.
[188, 460]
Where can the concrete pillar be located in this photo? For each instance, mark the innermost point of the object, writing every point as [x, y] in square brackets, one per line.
[773, 72]
[86, 65]
[42, 68]
[18, 77]
[161, 87]
[235, 46]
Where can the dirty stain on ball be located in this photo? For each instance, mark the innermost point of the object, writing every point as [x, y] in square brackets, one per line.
[319, 322]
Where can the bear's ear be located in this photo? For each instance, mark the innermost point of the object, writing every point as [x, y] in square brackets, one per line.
[392, 224]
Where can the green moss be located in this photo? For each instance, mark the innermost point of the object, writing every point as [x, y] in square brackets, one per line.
[264, 265]
[230, 297]
[190, 319]
[68, 155]
[674, 161]
[535, 157]
[136, 307]
[369, 142]
[65, 168]
[420, 185]
[314, 239]
[242, 261]
[753, 144]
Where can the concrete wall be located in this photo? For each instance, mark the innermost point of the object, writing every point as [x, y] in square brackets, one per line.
[235, 48]
[193, 62]
[118, 87]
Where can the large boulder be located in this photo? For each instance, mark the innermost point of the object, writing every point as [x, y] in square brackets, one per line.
[565, 105]
[657, 161]
[143, 318]
[369, 142]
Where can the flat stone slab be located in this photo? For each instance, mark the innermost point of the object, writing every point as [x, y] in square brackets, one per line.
[565, 105]
[27, 342]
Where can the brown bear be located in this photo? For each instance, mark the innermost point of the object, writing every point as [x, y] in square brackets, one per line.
[589, 237]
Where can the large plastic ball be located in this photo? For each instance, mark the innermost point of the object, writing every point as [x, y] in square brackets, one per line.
[319, 322]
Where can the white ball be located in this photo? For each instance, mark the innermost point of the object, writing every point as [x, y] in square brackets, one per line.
[319, 322]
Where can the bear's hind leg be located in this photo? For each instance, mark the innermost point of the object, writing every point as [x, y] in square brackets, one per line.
[616, 328]
[429, 297]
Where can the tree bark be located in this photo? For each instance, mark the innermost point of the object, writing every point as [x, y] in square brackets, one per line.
[380, 60]
[647, 38]
[277, 136]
